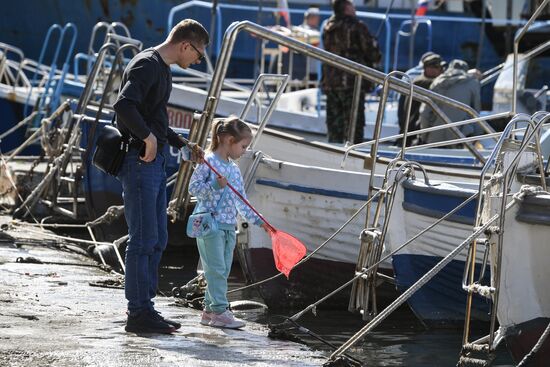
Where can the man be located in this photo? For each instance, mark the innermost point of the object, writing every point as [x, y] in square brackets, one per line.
[346, 36]
[457, 84]
[432, 67]
[312, 19]
[310, 27]
[142, 114]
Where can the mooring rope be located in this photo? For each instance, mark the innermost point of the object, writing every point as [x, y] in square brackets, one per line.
[536, 347]
[18, 125]
[12, 183]
[66, 238]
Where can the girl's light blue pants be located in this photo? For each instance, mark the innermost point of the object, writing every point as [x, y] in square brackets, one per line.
[216, 251]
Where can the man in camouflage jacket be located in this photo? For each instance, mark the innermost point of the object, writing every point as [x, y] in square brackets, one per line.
[346, 36]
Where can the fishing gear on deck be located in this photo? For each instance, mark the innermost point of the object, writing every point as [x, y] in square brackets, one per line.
[192, 293]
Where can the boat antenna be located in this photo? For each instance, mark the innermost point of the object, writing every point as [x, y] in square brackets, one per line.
[213, 21]
[390, 5]
[258, 42]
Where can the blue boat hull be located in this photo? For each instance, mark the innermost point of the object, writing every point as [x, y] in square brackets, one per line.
[440, 302]
[11, 113]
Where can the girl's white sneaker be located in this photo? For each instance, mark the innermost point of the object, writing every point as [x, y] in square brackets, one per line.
[225, 320]
[206, 317]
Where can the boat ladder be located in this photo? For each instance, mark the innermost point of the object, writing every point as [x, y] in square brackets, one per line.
[52, 83]
[67, 156]
[508, 156]
[363, 292]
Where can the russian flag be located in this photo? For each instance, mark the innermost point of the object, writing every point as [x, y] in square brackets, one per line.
[422, 7]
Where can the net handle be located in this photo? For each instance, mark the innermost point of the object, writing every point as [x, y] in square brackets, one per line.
[241, 197]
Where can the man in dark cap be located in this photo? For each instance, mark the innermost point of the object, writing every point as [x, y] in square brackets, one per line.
[458, 84]
[346, 36]
[432, 66]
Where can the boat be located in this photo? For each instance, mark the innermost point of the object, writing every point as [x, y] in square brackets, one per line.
[523, 301]
[516, 203]
[419, 203]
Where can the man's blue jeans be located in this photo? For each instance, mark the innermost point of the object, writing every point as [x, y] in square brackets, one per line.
[144, 194]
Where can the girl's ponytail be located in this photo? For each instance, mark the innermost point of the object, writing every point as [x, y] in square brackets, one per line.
[215, 142]
[232, 126]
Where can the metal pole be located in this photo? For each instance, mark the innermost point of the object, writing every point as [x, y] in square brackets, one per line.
[517, 39]
[413, 34]
[481, 33]
[354, 109]
[213, 21]
[508, 34]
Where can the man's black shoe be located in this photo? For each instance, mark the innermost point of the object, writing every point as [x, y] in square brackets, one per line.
[144, 322]
[157, 316]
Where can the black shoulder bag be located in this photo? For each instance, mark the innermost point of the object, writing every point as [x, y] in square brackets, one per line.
[111, 148]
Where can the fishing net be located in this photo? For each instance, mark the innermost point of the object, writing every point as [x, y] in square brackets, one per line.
[287, 250]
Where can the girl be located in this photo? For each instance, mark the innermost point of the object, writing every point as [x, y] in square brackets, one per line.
[230, 138]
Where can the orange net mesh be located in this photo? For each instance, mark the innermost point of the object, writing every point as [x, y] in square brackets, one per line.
[287, 251]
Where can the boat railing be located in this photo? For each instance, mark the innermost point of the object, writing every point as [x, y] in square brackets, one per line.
[501, 181]
[413, 28]
[108, 28]
[11, 63]
[68, 158]
[477, 232]
[519, 35]
[115, 32]
[445, 143]
[351, 67]
[49, 99]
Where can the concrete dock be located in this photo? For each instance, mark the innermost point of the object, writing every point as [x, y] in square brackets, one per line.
[50, 315]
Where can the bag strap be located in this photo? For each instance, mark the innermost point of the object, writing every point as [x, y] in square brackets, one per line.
[221, 197]
[223, 193]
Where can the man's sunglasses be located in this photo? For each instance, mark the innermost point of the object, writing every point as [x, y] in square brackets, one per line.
[201, 56]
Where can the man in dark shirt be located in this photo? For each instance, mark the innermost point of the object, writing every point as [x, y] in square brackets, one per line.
[432, 66]
[346, 36]
[141, 113]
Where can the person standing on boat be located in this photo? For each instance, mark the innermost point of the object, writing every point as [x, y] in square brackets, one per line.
[141, 112]
[312, 18]
[310, 26]
[458, 84]
[432, 66]
[346, 36]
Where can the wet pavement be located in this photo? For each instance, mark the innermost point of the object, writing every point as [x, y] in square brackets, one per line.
[50, 315]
